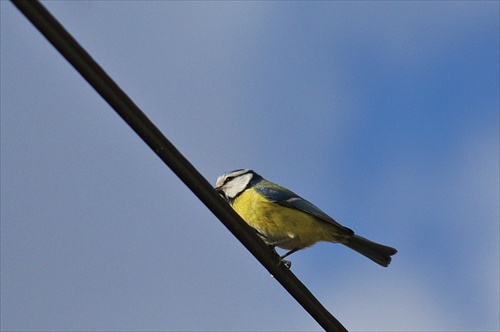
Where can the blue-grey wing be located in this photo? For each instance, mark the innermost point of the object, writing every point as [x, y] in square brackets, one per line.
[287, 198]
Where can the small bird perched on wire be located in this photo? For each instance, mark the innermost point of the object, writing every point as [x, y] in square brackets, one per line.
[285, 220]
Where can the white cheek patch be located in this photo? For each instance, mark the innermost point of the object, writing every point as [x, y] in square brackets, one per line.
[237, 185]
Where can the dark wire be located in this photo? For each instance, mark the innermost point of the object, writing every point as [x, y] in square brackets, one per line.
[137, 120]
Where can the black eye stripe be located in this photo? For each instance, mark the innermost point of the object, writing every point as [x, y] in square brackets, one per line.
[240, 173]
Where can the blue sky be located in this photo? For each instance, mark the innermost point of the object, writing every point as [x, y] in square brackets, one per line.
[383, 114]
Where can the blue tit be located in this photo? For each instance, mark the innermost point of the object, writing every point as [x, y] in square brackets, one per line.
[285, 220]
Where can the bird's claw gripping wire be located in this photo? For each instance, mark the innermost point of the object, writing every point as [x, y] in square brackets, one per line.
[273, 246]
[285, 262]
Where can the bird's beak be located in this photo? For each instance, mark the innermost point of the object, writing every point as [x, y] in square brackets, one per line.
[220, 191]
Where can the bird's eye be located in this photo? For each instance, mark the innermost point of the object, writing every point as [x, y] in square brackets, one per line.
[229, 178]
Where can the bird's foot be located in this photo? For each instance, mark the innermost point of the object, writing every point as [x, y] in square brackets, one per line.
[287, 264]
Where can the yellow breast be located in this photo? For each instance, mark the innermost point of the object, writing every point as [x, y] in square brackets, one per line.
[278, 223]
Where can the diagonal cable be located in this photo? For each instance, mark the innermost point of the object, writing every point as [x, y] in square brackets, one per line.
[137, 120]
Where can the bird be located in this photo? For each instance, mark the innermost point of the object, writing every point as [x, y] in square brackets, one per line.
[283, 219]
